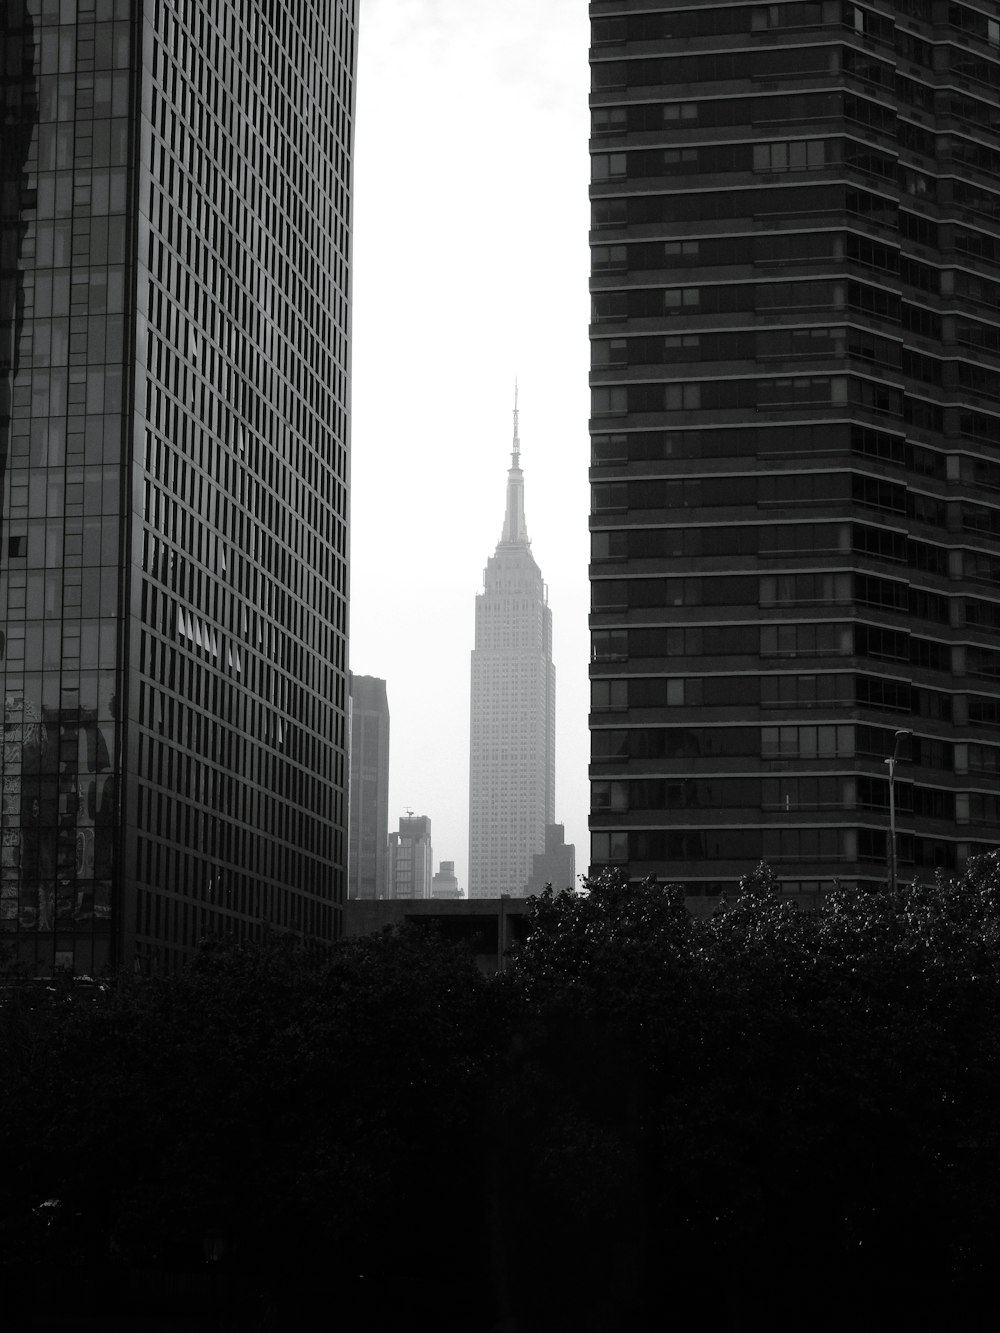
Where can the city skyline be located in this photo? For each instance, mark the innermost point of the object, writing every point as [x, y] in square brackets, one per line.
[509, 104]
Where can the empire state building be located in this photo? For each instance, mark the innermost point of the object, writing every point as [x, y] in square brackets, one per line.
[512, 751]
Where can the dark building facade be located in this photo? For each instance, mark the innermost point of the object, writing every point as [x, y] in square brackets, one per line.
[174, 435]
[795, 437]
[368, 863]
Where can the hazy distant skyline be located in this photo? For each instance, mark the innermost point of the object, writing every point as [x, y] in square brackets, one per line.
[470, 267]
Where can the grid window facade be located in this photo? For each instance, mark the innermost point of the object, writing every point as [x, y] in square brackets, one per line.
[174, 431]
[795, 437]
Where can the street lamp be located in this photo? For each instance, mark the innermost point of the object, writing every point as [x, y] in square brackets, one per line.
[891, 761]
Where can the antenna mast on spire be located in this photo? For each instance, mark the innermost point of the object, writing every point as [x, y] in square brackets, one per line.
[517, 443]
[514, 530]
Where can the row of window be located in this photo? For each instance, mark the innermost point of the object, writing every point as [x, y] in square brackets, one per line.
[775, 440]
[785, 795]
[787, 489]
[710, 159]
[800, 344]
[801, 109]
[806, 154]
[770, 297]
[685, 24]
[781, 540]
[822, 639]
[747, 846]
[768, 63]
[782, 392]
[894, 596]
[710, 251]
[785, 741]
[817, 690]
[791, 392]
[817, 198]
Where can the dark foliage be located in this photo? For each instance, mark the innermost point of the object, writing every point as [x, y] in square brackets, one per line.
[768, 1119]
[795, 1110]
[312, 1115]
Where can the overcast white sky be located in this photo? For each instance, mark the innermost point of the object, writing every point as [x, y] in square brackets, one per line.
[470, 266]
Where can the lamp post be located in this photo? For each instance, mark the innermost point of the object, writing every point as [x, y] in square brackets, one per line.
[891, 761]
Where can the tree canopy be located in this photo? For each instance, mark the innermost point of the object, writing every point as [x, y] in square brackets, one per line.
[799, 1105]
[763, 1119]
[307, 1113]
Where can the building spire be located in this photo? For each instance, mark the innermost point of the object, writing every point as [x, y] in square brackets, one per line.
[515, 530]
[516, 454]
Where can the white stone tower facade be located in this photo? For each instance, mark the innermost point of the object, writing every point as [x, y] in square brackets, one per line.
[512, 733]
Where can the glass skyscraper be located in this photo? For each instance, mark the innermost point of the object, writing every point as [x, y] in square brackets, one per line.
[796, 438]
[174, 436]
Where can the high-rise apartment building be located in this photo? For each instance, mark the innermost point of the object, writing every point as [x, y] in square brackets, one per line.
[796, 437]
[411, 858]
[512, 770]
[174, 433]
[368, 844]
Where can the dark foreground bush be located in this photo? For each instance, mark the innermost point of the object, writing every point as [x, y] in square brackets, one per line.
[308, 1118]
[767, 1119]
[770, 1119]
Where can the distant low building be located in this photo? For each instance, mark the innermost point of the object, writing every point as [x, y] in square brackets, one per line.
[556, 865]
[445, 883]
[411, 858]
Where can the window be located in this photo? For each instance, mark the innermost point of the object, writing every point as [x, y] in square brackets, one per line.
[805, 691]
[610, 401]
[609, 120]
[681, 397]
[609, 645]
[807, 742]
[608, 166]
[609, 258]
[805, 640]
[677, 298]
[609, 306]
[609, 30]
[609, 352]
[608, 695]
[794, 155]
[793, 589]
